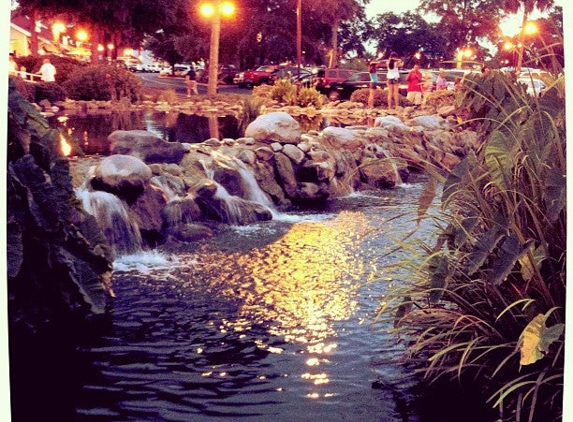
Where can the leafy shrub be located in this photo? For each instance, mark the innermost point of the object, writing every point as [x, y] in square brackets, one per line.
[28, 90]
[486, 301]
[252, 108]
[65, 66]
[263, 91]
[103, 83]
[284, 92]
[380, 97]
[310, 97]
[49, 91]
[441, 98]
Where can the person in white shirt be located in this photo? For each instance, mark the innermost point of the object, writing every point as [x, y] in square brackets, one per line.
[12, 66]
[48, 71]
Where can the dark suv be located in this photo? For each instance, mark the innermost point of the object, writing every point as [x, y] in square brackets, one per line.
[326, 77]
[287, 73]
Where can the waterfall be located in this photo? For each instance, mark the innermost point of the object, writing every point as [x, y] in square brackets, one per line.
[254, 191]
[399, 180]
[240, 210]
[112, 215]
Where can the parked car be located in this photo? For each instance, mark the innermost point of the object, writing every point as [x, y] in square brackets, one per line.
[305, 79]
[153, 67]
[178, 70]
[326, 77]
[535, 87]
[239, 79]
[260, 75]
[343, 90]
[287, 73]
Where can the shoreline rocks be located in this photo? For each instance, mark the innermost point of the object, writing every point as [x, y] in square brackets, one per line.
[274, 166]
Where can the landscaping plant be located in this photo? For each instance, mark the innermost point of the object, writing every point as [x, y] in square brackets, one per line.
[485, 304]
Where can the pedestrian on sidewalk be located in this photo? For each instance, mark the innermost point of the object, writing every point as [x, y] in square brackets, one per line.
[191, 82]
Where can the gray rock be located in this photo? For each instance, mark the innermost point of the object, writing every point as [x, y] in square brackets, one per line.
[276, 126]
[146, 146]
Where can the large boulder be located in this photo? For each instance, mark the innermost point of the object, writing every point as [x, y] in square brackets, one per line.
[123, 175]
[342, 138]
[146, 146]
[274, 127]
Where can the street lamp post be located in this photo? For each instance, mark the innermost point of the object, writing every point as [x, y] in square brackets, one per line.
[214, 11]
[298, 40]
[528, 28]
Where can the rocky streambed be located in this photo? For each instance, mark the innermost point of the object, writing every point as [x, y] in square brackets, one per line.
[177, 191]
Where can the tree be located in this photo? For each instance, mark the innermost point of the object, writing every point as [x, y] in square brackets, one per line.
[333, 13]
[411, 37]
[463, 22]
[528, 6]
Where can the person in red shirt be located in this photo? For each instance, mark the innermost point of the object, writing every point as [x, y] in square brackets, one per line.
[414, 79]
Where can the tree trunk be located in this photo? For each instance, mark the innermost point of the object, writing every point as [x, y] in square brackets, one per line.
[334, 42]
[521, 40]
[33, 33]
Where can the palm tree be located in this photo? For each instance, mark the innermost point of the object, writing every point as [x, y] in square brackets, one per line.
[513, 6]
[333, 13]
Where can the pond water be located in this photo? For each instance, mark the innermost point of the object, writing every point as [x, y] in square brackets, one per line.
[263, 323]
[90, 131]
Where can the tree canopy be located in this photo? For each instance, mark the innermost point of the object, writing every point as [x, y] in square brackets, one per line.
[264, 31]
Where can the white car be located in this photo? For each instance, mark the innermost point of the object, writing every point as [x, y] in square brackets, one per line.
[535, 87]
[180, 70]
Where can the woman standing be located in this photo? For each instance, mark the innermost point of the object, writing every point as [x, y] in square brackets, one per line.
[393, 79]
[372, 69]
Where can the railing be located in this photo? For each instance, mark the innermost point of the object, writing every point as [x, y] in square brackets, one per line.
[30, 77]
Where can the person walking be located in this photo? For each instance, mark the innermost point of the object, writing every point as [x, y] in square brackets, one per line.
[48, 71]
[414, 79]
[393, 79]
[191, 82]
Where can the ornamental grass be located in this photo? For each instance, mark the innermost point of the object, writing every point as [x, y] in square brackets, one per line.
[485, 302]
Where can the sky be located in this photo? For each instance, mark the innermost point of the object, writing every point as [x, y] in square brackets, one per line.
[510, 27]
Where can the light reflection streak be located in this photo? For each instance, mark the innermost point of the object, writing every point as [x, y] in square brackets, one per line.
[298, 286]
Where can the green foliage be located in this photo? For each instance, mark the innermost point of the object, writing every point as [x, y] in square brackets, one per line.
[380, 97]
[310, 97]
[284, 92]
[65, 66]
[441, 98]
[28, 90]
[252, 108]
[487, 300]
[49, 91]
[103, 83]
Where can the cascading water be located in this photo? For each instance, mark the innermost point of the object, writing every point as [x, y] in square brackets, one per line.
[112, 215]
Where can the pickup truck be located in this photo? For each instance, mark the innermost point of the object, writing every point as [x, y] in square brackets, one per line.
[260, 75]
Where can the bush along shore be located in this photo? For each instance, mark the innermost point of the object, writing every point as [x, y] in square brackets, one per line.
[484, 304]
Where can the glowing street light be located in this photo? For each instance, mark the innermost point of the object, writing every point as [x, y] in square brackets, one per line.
[528, 28]
[214, 11]
[57, 29]
[467, 53]
[82, 35]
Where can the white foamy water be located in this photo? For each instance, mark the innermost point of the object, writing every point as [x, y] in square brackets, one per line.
[146, 261]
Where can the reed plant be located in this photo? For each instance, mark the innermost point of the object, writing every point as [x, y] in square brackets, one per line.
[485, 300]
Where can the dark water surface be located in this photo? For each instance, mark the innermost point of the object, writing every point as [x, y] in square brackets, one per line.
[269, 322]
[90, 131]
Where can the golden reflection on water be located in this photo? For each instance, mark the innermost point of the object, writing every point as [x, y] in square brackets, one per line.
[298, 285]
[305, 281]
